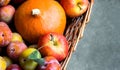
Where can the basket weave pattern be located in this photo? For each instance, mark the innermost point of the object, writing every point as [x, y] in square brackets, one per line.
[74, 32]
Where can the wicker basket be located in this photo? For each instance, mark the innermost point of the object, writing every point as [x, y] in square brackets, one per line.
[74, 32]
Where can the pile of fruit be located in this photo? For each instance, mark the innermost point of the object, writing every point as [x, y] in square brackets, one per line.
[32, 32]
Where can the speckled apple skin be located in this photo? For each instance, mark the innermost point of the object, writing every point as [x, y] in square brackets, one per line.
[7, 13]
[4, 2]
[15, 48]
[5, 34]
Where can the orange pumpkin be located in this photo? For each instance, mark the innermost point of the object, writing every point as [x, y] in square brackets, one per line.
[35, 18]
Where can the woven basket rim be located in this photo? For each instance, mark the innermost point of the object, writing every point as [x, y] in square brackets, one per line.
[74, 32]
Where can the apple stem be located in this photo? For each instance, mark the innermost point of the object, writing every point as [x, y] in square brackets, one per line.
[79, 6]
[53, 40]
[51, 37]
[35, 12]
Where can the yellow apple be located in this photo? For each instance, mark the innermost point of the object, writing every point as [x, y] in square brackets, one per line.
[16, 37]
[3, 64]
[25, 62]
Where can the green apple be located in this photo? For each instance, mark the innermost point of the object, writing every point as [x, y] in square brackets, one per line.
[17, 37]
[26, 56]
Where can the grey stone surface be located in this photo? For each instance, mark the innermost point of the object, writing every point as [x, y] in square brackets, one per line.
[99, 49]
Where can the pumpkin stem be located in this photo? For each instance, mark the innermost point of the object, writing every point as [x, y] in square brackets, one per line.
[35, 12]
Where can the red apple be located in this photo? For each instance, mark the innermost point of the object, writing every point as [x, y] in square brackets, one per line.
[15, 48]
[4, 2]
[50, 63]
[53, 44]
[5, 34]
[6, 13]
[74, 8]
[14, 67]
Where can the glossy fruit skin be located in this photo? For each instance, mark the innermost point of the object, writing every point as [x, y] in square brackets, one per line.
[14, 49]
[16, 37]
[58, 47]
[45, 22]
[5, 34]
[2, 63]
[6, 13]
[14, 67]
[74, 8]
[4, 2]
[26, 63]
[51, 63]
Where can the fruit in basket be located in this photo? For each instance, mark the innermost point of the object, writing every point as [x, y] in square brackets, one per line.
[53, 44]
[14, 67]
[50, 63]
[5, 34]
[2, 63]
[14, 49]
[4, 2]
[40, 17]
[27, 63]
[6, 13]
[8, 60]
[74, 8]
[16, 37]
